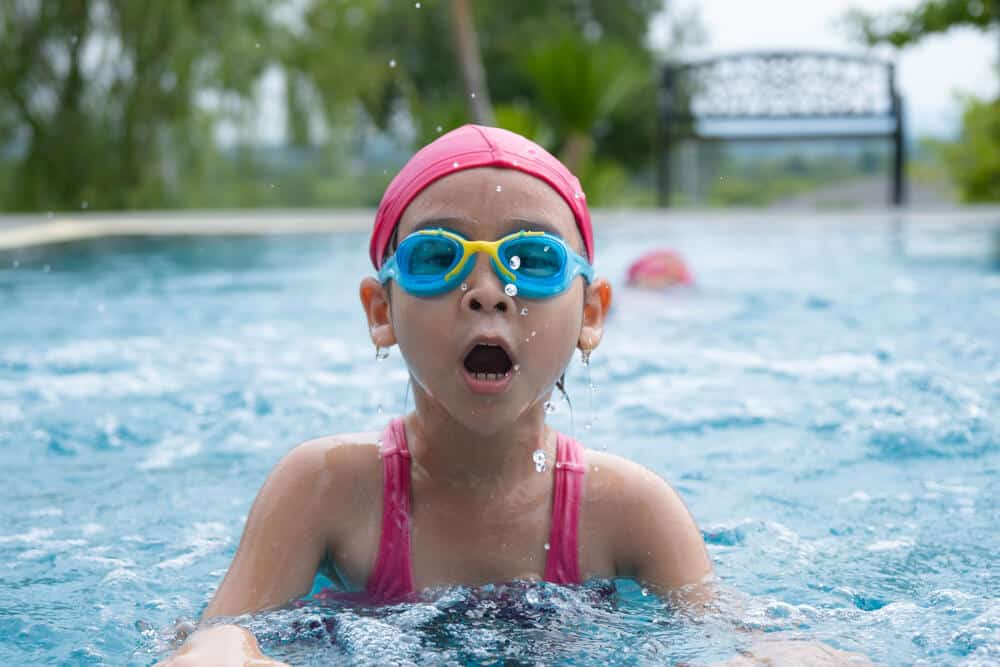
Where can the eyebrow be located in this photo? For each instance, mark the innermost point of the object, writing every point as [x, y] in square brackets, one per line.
[509, 226]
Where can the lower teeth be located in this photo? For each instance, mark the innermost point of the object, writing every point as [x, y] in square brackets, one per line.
[489, 377]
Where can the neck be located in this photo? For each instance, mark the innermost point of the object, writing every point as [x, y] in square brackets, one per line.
[453, 454]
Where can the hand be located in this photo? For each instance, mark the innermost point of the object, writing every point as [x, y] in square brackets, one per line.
[791, 653]
[220, 646]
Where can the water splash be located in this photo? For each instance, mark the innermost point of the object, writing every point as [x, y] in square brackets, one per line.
[515, 261]
[392, 63]
[510, 289]
[538, 457]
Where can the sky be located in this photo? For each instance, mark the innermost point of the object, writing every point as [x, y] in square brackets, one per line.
[931, 74]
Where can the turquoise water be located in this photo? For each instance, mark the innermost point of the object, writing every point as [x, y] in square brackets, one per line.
[826, 401]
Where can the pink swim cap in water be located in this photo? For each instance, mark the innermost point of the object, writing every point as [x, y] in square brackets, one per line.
[468, 147]
[659, 268]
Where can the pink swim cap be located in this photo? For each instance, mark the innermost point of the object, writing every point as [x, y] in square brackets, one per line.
[468, 147]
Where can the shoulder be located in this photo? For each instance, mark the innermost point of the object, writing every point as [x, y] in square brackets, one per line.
[652, 533]
[325, 470]
[618, 485]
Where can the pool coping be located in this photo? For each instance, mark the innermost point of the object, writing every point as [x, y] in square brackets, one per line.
[34, 230]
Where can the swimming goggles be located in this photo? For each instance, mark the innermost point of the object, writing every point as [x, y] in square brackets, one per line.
[536, 265]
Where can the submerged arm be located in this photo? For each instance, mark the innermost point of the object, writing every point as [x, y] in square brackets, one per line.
[282, 546]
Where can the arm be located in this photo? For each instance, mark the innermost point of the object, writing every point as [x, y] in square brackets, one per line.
[660, 544]
[283, 544]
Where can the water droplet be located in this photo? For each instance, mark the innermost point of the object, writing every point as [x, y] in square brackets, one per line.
[392, 63]
[510, 289]
[585, 357]
[381, 353]
[524, 312]
[515, 261]
[645, 591]
[538, 456]
[472, 95]
[545, 249]
[517, 368]
[499, 188]
[455, 165]
[547, 547]
[257, 45]
[578, 195]
[531, 596]
[465, 287]
[515, 163]
[533, 333]
[550, 407]
[417, 5]
[439, 129]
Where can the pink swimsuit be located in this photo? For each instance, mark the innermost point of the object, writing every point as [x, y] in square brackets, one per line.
[392, 578]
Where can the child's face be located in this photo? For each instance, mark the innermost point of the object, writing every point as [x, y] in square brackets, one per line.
[435, 334]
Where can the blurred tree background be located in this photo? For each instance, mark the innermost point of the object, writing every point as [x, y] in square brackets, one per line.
[118, 104]
[115, 104]
[973, 160]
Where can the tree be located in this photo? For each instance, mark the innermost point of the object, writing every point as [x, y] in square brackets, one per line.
[974, 159]
[98, 98]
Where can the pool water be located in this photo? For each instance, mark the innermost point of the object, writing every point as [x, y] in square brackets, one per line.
[826, 401]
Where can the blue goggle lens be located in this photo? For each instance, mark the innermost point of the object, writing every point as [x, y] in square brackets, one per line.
[432, 256]
[534, 258]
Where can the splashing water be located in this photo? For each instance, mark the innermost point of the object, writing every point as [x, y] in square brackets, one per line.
[538, 456]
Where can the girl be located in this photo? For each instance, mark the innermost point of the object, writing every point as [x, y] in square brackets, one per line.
[483, 250]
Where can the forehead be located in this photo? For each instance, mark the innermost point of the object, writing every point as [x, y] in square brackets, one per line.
[486, 202]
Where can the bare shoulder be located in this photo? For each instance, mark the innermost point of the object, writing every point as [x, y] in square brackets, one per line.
[344, 465]
[653, 534]
[618, 487]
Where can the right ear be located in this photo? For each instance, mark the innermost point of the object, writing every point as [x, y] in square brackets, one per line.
[375, 301]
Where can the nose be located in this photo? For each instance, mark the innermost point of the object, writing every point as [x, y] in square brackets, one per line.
[485, 290]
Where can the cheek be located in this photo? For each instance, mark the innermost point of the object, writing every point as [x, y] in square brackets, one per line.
[421, 327]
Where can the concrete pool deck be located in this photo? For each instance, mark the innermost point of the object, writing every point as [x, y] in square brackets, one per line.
[18, 231]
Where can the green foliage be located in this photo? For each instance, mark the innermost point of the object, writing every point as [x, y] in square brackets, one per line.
[114, 104]
[974, 160]
[902, 28]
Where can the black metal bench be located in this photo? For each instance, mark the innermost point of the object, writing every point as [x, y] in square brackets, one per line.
[792, 94]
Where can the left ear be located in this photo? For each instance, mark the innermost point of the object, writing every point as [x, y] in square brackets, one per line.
[596, 303]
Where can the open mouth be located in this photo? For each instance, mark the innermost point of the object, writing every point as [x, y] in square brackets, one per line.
[488, 363]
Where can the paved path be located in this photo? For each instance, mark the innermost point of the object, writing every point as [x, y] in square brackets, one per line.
[29, 230]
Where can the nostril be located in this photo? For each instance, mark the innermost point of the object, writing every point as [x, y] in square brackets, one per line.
[502, 307]
[475, 305]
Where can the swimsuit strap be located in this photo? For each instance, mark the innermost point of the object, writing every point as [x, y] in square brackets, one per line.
[392, 576]
[562, 566]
